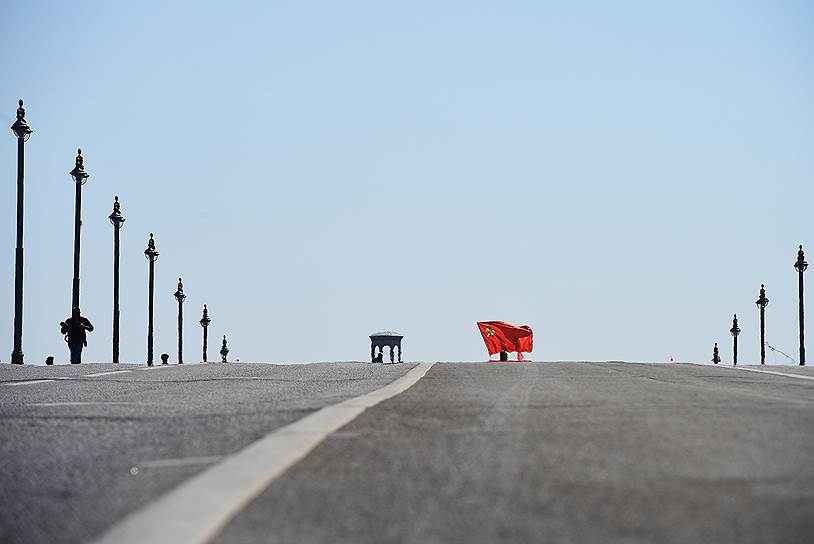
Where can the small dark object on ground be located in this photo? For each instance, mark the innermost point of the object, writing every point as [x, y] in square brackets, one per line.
[165, 358]
[49, 360]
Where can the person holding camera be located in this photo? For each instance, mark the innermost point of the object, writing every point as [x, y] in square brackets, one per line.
[75, 329]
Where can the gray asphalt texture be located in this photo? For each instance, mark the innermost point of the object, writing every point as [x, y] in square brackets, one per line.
[78, 454]
[529, 452]
[565, 452]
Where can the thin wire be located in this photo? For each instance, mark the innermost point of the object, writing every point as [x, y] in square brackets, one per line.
[780, 352]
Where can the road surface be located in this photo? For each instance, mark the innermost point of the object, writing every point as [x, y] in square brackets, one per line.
[536, 452]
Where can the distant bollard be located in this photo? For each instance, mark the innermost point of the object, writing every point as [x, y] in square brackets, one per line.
[735, 331]
[49, 360]
[224, 351]
[165, 358]
[715, 357]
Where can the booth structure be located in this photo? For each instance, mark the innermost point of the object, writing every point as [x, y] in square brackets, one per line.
[380, 340]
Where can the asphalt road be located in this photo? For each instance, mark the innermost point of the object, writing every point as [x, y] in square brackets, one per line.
[537, 452]
[558, 453]
[78, 454]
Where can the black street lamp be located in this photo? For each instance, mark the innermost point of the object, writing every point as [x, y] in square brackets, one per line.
[224, 351]
[735, 330]
[205, 321]
[22, 131]
[715, 357]
[151, 255]
[180, 297]
[762, 302]
[116, 219]
[801, 265]
[79, 176]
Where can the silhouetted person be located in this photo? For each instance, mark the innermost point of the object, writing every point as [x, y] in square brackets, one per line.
[49, 360]
[165, 359]
[504, 355]
[75, 329]
[380, 357]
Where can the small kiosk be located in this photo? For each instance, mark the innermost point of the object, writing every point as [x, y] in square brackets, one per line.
[383, 339]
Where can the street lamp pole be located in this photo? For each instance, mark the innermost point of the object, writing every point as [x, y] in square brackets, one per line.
[180, 296]
[80, 176]
[762, 302]
[205, 321]
[224, 351]
[801, 265]
[116, 219]
[151, 255]
[22, 131]
[735, 330]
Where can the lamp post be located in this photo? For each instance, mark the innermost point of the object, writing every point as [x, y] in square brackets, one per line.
[116, 219]
[801, 266]
[22, 131]
[224, 351]
[762, 302]
[151, 255]
[735, 330]
[205, 321]
[180, 296]
[715, 357]
[79, 176]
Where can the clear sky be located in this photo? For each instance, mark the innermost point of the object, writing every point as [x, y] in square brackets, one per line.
[621, 176]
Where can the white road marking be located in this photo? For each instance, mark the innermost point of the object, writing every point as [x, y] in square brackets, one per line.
[759, 371]
[786, 374]
[67, 378]
[87, 403]
[105, 373]
[197, 510]
[182, 462]
[30, 382]
[245, 378]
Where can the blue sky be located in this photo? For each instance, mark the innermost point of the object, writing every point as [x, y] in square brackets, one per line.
[620, 176]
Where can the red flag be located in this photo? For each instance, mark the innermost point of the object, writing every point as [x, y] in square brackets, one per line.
[499, 336]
